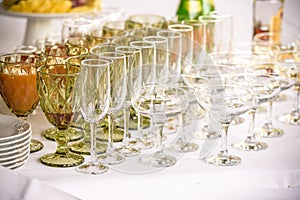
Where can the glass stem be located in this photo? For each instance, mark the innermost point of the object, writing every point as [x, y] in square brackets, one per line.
[126, 112]
[182, 126]
[269, 115]
[62, 139]
[159, 145]
[93, 127]
[224, 147]
[251, 134]
[295, 111]
[110, 141]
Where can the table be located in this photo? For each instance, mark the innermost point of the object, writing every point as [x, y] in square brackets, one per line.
[270, 174]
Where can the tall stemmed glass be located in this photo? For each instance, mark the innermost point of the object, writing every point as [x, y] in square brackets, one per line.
[116, 101]
[264, 88]
[284, 81]
[93, 86]
[159, 102]
[225, 101]
[182, 143]
[133, 61]
[292, 58]
[60, 103]
[18, 86]
[214, 73]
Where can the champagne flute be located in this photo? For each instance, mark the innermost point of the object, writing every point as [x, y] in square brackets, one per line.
[116, 101]
[60, 103]
[133, 61]
[94, 89]
[159, 102]
[18, 86]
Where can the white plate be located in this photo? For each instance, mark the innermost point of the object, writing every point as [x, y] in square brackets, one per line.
[17, 164]
[9, 128]
[16, 159]
[15, 151]
[8, 145]
[14, 147]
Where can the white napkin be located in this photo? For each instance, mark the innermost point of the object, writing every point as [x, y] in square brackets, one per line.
[14, 186]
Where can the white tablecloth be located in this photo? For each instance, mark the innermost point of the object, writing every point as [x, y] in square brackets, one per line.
[270, 174]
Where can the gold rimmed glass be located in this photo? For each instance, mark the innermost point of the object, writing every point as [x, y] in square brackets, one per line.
[60, 103]
[140, 21]
[18, 73]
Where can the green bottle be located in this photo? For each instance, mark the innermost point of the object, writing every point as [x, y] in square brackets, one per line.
[192, 9]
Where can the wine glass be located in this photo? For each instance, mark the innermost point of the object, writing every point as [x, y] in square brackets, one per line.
[214, 73]
[264, 88]
[284, 81]
[225, 102]
[116, 101]
[18, 86]
[60, 103]
[182, 143]
[159, 102]
[292, 58]
[93, 86]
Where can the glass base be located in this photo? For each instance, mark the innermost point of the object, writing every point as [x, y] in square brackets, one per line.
[113, 158]
[206, 133]
[269, 133]
[117, 135]
[141, 144]
[128, 151]
[223, 159]
[85, 148]
[74, 134]
[35, 145]
[289, 119]
[133, 123]
[158, 159]
[237, 121]
[247, 145]
[62, 160]
[181, 145]
[92, 168]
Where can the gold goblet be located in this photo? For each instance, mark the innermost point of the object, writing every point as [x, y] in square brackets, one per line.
[59, 102]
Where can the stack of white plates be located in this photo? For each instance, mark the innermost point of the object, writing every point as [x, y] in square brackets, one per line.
[14, 141]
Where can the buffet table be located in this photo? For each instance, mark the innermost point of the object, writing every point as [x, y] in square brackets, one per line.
[270, 174]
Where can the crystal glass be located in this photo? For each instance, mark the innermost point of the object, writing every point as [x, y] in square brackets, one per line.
[264, 88]
[292, 58]
[284, 81]
[140, 21]
[58, 54]
[159, 102]
[183, 141]
[114, 29]
[93, 86]
[60, 103]
[214, 73]
[116, 101]
[18, 73]
[225, 102]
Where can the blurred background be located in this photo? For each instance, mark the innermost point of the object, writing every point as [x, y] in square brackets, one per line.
[13, 29]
